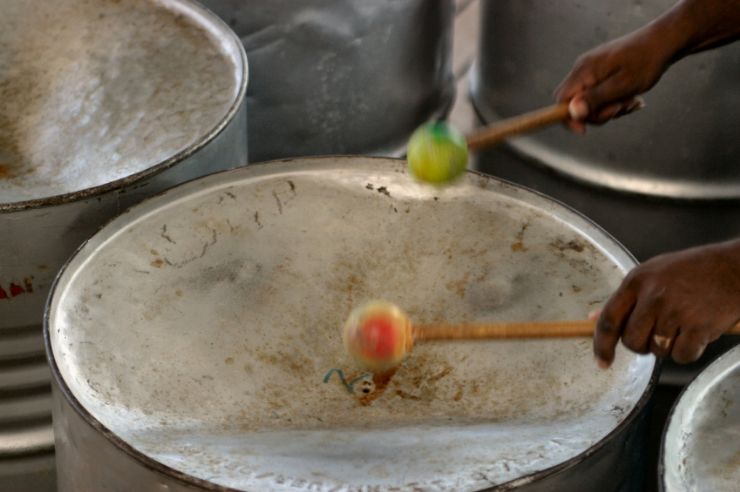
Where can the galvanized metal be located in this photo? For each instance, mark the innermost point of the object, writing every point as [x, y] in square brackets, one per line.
[104, 103]
[342, 76]
[701, 444]
[191, 338]
[683, 145]
[660, 180]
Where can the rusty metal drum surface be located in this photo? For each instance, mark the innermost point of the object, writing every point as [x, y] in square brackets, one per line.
[103, 104]
[701, 445]
[195, 340]
[341, 76]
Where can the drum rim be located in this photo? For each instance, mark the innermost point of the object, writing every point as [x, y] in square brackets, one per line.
[189, 480]
[727, 356]
[203, 17]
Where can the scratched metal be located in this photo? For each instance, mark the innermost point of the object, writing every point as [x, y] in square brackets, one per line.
[370, 72]
[103, 103]
[190, 338]
[97, 91]
[701, 445]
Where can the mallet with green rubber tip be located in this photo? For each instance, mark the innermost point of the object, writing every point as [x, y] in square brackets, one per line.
[438, 153]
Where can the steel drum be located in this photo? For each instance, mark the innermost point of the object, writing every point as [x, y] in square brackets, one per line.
[103, 103]
[195, 340]
[701, 445]
[664, 178]
[342, 76]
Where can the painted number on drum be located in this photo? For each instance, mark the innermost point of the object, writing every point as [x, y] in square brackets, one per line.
[9, 290]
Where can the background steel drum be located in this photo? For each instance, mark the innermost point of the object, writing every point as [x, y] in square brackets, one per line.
[103, 104]
[662, 179]
[681, 151]
[341, 76]
[701, 445]
[195, 340]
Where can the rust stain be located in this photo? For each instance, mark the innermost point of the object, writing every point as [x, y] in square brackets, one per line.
[5, 172]
[518, 245]
[157, 263]
[459, 394]
[459, 286]
[381, 381]
[572, 245]
[229, 360]
[407, 396]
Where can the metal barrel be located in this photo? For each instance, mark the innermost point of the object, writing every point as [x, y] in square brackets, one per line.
[195, 340]
[342, 76]
[662, 179]
[103, 104]
[700, 447]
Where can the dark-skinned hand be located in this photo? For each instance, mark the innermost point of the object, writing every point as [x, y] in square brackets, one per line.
[673, 305]
[605, 82]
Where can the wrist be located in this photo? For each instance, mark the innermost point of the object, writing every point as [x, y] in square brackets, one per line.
[674, 34]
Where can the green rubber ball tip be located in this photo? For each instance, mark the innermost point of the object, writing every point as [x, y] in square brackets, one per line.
[437, 153]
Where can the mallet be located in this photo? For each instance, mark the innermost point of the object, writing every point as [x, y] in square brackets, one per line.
[438, 153]
[378, 335]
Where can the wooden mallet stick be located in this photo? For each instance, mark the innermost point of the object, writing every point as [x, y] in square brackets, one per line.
[379, 334]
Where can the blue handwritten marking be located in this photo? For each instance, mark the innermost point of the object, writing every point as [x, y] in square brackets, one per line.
[349, 386]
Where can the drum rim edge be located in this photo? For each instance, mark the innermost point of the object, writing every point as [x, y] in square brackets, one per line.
[189, 480]
[226, 34]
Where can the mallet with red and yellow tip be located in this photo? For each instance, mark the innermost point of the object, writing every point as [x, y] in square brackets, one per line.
[378, 335]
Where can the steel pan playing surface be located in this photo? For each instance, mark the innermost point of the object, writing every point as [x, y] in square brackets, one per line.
[96, 91]
[701, 446]
[199, 327]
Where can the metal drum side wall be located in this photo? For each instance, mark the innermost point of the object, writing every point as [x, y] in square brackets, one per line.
[78, 440]
[342, 77]
[38, 236]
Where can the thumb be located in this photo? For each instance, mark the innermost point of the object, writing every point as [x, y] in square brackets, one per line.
[578, 108]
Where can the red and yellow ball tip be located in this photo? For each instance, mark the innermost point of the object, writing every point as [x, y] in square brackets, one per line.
[378, 335]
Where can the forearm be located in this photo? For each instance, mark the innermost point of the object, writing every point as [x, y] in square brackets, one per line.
[692, 26]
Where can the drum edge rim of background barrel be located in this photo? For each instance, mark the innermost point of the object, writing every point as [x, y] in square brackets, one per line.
[580, 172]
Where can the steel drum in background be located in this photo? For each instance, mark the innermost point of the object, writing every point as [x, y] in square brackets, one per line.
[660, 180]
[103, 104]
[701, 444]
[195, 340]
[671, 168]
[342, 76]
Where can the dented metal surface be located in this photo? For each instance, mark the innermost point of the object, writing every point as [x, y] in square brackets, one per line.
[369, 72]
[195, 341]
[103, 103]
[701, 445]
